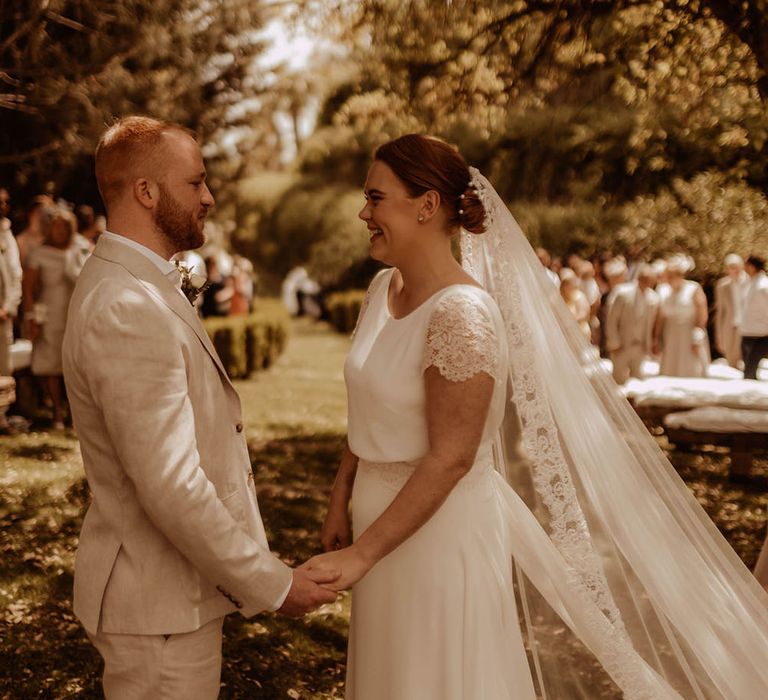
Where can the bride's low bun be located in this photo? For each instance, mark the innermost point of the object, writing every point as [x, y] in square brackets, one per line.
[471, 212]
[426, 163]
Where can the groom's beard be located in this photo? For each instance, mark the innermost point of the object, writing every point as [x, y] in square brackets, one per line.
[182, 228]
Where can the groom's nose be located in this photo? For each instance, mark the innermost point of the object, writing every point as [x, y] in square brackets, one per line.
[207, 198]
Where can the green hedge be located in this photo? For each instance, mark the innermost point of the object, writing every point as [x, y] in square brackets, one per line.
[344, 308]
[247, 344]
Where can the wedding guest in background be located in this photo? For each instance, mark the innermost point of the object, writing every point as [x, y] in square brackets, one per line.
[10, 289]
[586, 274]
[217, 298]
[635, 261]
[680, 333]
[630, 317]
[32, 235]
[88, 231]
[729, 300]
[243, 283]
[52, 269]
[662, 284]
[614, 272]
[546, 260]
[575, 299]
[754, 320]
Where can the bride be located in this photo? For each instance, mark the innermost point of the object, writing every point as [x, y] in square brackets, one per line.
[517, 532]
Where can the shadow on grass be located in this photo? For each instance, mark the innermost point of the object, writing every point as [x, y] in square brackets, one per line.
[44, 652]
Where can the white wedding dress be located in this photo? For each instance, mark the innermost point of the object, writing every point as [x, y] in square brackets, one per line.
[435, 619]
[571, 514]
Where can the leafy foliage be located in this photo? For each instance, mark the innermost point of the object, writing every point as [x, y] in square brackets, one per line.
[70, 66]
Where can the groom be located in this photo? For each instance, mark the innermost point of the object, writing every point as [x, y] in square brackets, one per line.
[173, 539]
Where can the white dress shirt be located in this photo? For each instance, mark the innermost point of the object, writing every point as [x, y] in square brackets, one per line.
[754, 320]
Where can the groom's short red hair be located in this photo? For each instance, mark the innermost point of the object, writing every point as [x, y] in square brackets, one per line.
[128, 149]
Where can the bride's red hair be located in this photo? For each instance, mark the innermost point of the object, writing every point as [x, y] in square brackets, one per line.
[426, 163]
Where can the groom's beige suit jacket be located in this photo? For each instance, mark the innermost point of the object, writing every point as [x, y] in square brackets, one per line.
[173, 537]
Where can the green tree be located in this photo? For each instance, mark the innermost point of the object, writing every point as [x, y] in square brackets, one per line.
[69, 66]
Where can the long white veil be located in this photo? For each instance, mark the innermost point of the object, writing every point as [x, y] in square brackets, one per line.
[662, 583]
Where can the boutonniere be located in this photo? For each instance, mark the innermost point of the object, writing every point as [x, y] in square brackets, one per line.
[192, 284]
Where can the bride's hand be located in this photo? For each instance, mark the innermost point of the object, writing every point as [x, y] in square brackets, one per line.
[352, 564]
[336, 532]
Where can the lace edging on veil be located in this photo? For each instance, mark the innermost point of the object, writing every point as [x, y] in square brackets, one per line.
[565, 472]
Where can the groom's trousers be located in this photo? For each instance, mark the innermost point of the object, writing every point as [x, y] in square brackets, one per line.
[162, 667]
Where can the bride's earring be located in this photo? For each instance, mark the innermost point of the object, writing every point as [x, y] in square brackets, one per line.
[420, 219]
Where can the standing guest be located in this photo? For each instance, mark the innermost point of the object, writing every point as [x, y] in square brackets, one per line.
[662, 281]
[32, 235]
[729, 300]
[88, 230]
[680, 333]
[614, 272]
[591, 289]
[754, 321]
[546, 260]
[629, 321]
[10, 289]
[575, 299]
[242, 278]
[49, 280]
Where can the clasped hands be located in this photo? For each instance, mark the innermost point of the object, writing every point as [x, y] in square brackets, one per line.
[340, 554]
[319, 579]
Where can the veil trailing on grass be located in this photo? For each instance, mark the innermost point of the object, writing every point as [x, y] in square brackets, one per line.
[646, 599]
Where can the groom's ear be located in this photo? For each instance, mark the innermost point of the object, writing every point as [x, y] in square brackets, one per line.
[146, 192]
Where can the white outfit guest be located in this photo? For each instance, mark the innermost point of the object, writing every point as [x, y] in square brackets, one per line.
[629, 320]
[684, 349]
[729, 300]
[57, 272]
[10, 292]
[173, 539]
[754, 324]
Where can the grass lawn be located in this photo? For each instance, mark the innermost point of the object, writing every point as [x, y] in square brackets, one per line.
[295, 415]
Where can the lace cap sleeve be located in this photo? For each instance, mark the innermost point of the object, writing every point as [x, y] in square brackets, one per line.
[461, 339]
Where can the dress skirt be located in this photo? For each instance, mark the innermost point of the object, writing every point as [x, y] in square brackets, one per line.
[436, 619]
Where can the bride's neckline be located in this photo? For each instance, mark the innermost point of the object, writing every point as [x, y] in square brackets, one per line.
[423, 303]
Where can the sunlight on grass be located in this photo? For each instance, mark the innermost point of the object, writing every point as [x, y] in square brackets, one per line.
[303, 392]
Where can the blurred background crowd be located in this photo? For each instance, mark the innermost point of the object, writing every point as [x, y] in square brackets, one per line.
[637, 128]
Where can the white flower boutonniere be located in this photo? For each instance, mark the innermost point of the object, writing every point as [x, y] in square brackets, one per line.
[192, 284]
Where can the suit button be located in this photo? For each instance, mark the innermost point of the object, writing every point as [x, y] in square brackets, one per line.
[239, 427]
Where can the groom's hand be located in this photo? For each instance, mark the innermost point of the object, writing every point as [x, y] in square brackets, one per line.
[306, 593]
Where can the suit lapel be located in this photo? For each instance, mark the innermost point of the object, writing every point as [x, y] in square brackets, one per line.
[159, 286]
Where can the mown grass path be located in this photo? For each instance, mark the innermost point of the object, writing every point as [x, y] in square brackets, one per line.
[295, 422]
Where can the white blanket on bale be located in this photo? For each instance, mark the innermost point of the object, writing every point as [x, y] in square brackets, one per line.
[715, 419]
[21, 354]
[684, 392]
